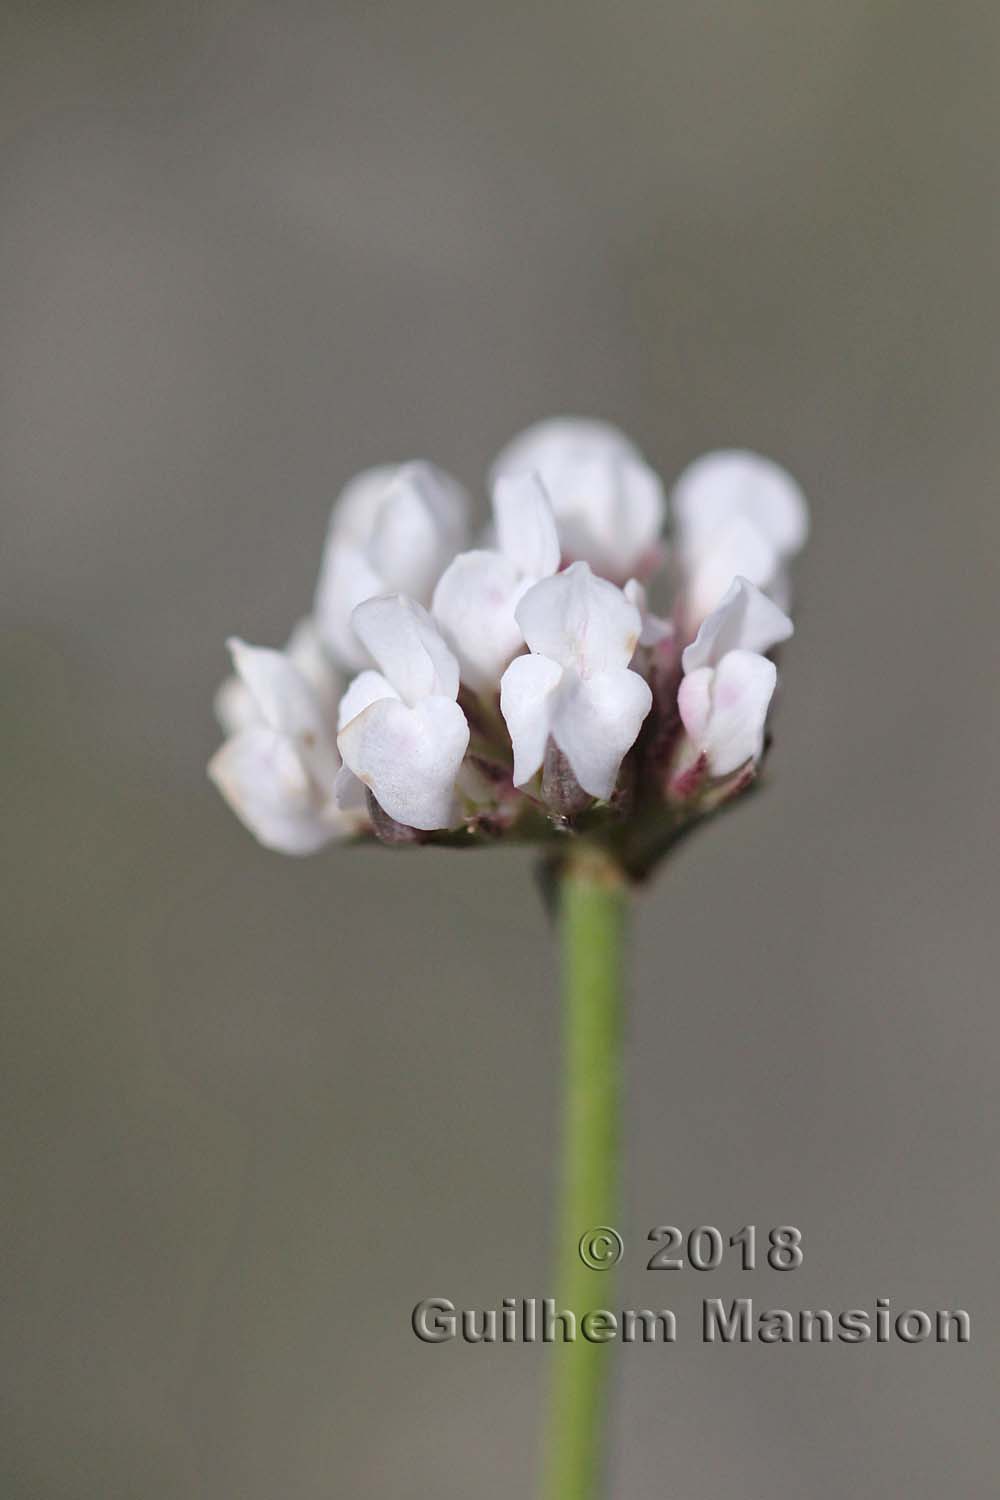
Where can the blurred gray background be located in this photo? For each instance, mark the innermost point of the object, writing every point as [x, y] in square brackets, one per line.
[256, 1108]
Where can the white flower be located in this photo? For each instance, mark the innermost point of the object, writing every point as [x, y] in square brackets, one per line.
[402, 733]
[728, 682]
[476, 596]
[608, 503]
[277, 771]
[735, 513]
[576, 686]
[236, 707]
[745, 620]
[392, 529]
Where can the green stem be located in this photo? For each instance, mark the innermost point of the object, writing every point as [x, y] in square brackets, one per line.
[592, 909]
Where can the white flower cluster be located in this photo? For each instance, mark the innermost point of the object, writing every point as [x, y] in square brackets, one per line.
[525, 681]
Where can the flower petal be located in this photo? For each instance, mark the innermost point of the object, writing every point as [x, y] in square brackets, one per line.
[560, 441]
[738, 550]
[305, 650]
[406, 644]
[723, 708]
[236, 708]
[609, 506]
[409, 757]
[280, 693]
[356, 509]
[746, 620]
[346, 580]
[367, 687]
[271, 791]
[526, 526]
[720, 486]
[474, 606]
[393, 528]
[596, 722]
[420, 525]
[580, 621]
[285, 702]
[527, 699]
[610, 514]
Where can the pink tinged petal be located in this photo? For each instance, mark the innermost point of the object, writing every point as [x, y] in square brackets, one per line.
[407, 646]
[409, 757]
[688, 778]
[527, 699]
[419, 527]
[474, 607]
[720, 486]
[694, 702]
[596, 723]
[270, 790]
[346, 580]
[367, 687]
[580, 621]
[746, 620]
[526, 527]
[724, 708]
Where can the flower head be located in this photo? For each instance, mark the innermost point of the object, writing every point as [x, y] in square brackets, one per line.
[525, 688]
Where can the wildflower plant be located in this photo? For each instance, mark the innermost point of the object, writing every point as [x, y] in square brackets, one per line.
[572, 681]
